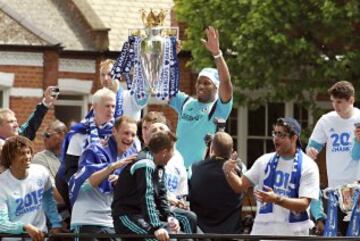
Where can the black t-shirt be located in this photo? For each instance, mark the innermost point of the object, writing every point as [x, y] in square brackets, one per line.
[217, 206]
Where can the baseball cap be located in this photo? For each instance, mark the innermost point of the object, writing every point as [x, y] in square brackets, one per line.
[212, 74]
[293, 126]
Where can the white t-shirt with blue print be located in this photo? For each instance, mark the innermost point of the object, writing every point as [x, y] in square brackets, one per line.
[194, 123]
[176, 176]
[26, 201]
[277, 222]
[338, 135]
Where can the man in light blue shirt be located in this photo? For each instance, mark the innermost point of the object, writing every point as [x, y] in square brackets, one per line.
[214, 92]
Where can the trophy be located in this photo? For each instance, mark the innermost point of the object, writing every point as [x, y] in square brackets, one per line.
[345, 197]
[148, 59]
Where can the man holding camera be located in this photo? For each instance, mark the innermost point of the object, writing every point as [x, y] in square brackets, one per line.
[218, 208]
[214, 92]
[8, 121]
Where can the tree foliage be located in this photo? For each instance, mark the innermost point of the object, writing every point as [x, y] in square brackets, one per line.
[285, 49]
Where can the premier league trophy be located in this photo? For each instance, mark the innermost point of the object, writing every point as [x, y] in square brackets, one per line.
[148, 59]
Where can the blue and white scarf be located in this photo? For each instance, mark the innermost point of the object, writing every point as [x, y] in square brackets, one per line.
[293, 186]
[95, 158]
[86, 127]
[331, 224]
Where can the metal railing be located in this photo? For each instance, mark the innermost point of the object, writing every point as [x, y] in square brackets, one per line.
[185, 236]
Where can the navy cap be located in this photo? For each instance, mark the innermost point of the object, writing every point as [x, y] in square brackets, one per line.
[293, 126]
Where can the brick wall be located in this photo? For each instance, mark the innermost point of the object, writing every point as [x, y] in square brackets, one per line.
[25, 76]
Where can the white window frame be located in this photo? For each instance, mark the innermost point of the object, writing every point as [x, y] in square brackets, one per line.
[243, 124]
[6, 83]
[75, 87]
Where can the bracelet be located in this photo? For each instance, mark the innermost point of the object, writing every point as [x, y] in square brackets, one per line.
[219, 55]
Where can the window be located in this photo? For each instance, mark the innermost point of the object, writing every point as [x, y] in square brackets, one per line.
[1, 99]
[254, 126]
[71, 108]
[302, 115]
[260, 121]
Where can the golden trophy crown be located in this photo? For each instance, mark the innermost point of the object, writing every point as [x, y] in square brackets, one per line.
[152, 19]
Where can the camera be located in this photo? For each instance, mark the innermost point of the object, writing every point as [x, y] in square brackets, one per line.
[357, 125]
[55, 91]
[220, 127]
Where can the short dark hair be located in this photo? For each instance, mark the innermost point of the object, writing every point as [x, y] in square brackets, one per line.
[161, 140]
[12, 147]
[154, 117]
[122, 119]
[342, 90]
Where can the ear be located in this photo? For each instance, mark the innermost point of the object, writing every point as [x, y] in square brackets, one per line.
[113, 131]
[294, 138]
[352, 99]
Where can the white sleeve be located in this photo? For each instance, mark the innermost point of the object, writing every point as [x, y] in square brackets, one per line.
[76, 145]
[254, 173]
[310, 180]
[131, 107]
[318, 134]
[183, 184]
[7, 226]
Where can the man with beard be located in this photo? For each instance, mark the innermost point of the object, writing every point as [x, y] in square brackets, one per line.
[285, 180]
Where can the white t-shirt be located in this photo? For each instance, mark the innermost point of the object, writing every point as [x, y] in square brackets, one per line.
[76, 144]
[21, 200]
[176, 176]
[278, 219]
[338, 135]
[92, 207]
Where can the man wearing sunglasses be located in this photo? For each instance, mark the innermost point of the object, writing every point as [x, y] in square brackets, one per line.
[50, 156]
[285, 182]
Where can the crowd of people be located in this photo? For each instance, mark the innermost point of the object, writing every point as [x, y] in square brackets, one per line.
[98, 176]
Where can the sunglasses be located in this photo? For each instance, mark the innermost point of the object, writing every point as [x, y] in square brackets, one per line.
[49, 134]
[279, 134]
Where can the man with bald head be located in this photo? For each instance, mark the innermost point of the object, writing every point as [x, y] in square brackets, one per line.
[218, 208]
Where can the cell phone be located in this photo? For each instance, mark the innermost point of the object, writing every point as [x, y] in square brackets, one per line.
[55, 91]
[357, 125]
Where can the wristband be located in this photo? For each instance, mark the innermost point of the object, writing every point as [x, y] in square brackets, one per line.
[219, 55]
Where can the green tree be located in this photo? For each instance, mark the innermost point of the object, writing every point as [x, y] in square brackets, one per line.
[289, 49]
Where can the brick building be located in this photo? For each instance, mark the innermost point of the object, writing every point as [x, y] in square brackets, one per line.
[45, 42]
[50, 42]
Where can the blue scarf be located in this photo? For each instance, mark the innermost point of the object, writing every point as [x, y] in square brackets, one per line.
[119, 108]
[331, 224]
[293, 185]
[93, 159]
[86, 127]
[354, 224]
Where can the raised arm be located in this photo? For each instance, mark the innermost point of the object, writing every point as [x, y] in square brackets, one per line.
[212, 44]
[238, 184]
